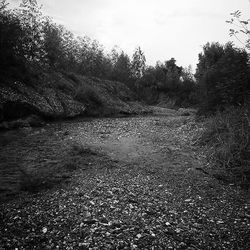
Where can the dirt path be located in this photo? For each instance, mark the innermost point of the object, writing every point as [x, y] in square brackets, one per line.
[138, 187]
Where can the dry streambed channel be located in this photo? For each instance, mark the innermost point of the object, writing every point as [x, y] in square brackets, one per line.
[116, 183]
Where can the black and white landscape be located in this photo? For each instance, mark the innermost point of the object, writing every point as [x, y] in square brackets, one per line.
[124, 124]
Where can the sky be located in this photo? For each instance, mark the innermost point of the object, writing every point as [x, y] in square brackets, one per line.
[162, 28]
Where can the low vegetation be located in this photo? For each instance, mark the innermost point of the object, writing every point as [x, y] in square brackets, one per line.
[227, 138]
[87, 95]
[223, 77]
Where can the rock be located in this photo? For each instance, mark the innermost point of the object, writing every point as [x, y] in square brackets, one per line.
[55, 97]
[1, 112]
[4, 126]
[186, 112]
[66, 133]
[25, 130]
[90, 221]
[19, 100]
[35, 121]
[30, 121]
[71, 107]
[18, 124]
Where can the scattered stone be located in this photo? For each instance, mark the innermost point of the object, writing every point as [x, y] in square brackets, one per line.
[96, 208]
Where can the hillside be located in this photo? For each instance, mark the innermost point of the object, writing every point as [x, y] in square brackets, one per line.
[57, 95]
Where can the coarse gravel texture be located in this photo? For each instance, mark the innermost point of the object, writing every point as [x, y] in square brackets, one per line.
[137, 185]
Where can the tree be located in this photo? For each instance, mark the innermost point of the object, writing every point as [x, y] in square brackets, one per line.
[83, 54]
[96, 59]
[12, 63]
[122, 69]
[241, 28]
[160, 73]
[3, 5]
[207, 60]
[187, 74]
[32, 22]
[172, 74]
[114, 54]
[53, 45]
[223, 76]
[138, 63]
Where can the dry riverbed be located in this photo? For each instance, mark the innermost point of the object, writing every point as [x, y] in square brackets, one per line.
[116, 183]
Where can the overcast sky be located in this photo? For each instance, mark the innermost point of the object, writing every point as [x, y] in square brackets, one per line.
[163, 28]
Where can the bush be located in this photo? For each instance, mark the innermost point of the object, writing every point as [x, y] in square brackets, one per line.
[88, 95]
[227, 136]
[223, 77]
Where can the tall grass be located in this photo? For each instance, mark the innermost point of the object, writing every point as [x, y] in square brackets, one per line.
[227, 136]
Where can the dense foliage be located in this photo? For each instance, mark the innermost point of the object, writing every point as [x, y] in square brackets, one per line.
[240, 29]
[31, 43]
[223, 76]
[175, 81]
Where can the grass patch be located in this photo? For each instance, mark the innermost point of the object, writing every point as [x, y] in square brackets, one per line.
[227, 137]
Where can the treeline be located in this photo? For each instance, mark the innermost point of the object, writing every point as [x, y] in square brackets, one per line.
[223, 77]
[31, 42]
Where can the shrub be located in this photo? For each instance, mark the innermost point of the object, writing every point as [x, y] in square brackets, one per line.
[223, 77]
[227, 136]
[88, 95]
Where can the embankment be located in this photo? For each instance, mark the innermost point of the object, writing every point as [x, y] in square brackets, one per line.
[61, 96]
